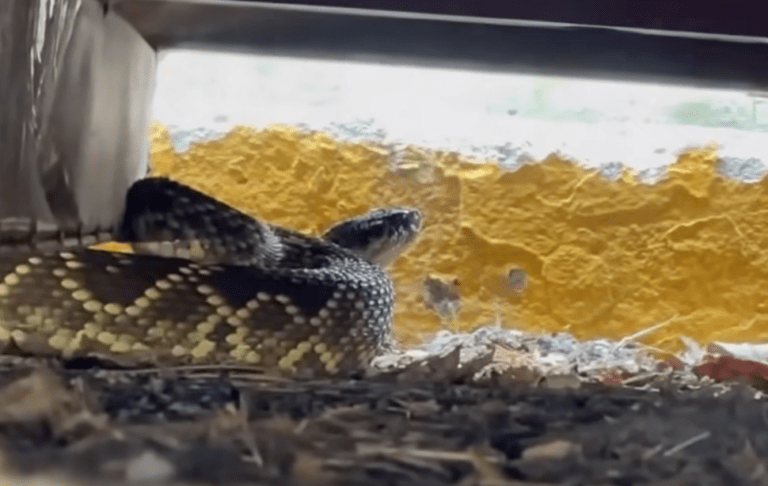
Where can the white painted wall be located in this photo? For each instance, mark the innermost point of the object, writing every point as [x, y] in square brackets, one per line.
[202, 94]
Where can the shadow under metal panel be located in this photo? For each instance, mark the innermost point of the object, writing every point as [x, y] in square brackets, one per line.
[638, 40]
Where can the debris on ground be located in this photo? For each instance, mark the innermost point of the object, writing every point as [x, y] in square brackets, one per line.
[486, 408]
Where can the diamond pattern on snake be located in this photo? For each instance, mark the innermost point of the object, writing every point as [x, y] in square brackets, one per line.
[209, 284]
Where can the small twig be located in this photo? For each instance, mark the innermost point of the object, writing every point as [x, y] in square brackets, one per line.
[652, 452]
[686, 443]
[243, 372]
[640, 378]
[633, 337]
[371, 449]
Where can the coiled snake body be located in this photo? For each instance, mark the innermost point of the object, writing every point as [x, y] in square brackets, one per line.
[209, 284]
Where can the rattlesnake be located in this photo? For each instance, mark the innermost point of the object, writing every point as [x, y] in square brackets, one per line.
[207, 283]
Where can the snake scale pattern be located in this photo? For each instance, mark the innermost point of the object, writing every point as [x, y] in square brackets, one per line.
[208, 284]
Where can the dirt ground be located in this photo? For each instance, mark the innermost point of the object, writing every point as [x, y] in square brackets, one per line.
[83, 424]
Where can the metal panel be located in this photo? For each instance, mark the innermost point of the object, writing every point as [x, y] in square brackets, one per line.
[729, 18]
[560, 37]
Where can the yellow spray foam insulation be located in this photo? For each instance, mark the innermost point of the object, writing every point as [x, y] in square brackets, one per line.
[601, 258]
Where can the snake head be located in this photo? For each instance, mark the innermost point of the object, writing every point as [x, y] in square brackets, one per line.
[378, 236]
